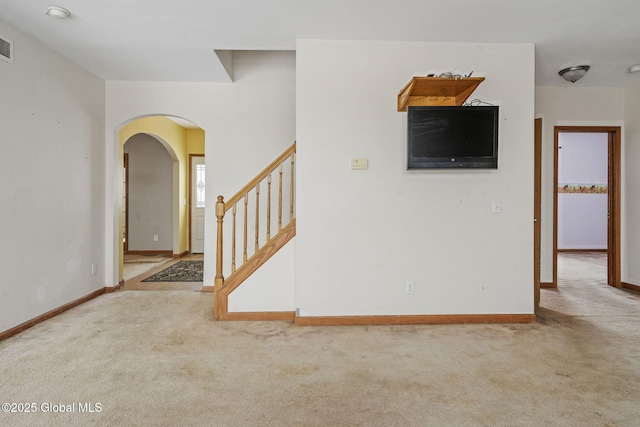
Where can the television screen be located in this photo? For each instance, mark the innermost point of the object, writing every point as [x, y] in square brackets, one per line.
[453, 137]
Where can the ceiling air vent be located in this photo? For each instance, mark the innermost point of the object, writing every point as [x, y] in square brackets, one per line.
[6, 49]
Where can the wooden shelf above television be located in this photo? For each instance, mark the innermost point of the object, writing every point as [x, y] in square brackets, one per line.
[437, 91]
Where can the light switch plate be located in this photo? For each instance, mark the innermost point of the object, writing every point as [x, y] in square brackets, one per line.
[359, 164]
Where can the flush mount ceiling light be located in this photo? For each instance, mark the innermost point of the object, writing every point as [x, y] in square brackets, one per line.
[573, 74]
[633, 68]
[57, 12]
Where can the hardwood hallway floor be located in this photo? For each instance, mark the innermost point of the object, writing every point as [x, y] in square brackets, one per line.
[136, 283]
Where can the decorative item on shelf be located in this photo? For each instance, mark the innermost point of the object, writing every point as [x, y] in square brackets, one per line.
[450, 75]
[573, 74]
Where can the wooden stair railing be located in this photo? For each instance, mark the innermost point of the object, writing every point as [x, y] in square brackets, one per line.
[264, 245]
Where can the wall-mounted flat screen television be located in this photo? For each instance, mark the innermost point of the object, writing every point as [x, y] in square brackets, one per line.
[453, 137]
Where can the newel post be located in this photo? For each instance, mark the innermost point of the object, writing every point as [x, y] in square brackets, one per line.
[219, 279]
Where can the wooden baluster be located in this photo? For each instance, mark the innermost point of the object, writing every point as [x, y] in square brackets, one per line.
[244, 255]
[280, 201]
[268, 207]
[219, 279]
[233, 240]
[291, 189]
[257, 216]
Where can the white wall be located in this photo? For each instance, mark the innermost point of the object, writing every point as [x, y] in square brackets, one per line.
[271, 287]
[570, 106]
[51, 181]
[363, 234]
[582, 221]
[582, 216]
[150, 194]
[631, 188]
[247, 124]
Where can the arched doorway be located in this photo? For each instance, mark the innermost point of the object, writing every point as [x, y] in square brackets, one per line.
[148, 196]
[181, 139]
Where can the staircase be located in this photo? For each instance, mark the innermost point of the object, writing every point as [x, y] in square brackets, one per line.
[255, 204]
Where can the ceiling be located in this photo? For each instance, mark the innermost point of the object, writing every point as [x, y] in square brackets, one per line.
[190, 40]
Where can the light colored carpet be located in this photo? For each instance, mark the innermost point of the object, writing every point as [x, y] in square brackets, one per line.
[159, 358]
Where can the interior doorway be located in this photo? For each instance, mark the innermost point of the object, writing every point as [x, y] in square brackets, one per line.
[150, 196]
[610, 189]
[179, 138]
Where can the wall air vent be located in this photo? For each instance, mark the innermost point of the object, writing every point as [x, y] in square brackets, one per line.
[6, 49]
